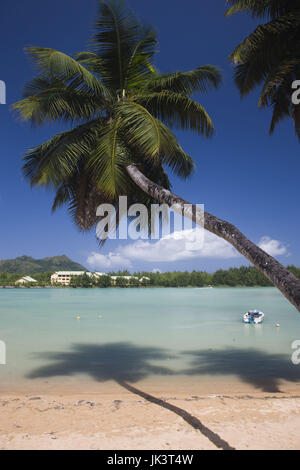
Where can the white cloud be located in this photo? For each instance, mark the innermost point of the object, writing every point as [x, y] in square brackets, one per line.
[177, 247]
[272, 247]
[180, 246]
[108, 262]
[156, 271]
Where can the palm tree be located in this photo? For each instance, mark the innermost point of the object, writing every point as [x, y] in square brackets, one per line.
[270, 56]
[122, 112]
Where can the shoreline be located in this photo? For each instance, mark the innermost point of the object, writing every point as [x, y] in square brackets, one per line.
[140, 287]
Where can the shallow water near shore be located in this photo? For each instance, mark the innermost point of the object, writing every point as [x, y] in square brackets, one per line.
[170, 339]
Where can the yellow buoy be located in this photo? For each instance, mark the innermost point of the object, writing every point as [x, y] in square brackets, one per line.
[78, 318]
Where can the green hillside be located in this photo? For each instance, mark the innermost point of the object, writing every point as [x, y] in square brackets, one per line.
[28, 265]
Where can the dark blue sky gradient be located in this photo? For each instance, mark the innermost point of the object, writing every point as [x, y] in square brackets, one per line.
[243, 175]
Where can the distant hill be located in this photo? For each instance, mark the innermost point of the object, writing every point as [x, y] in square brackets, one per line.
[28, 265]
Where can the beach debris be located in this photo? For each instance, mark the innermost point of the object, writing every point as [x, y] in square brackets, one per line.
[117, 404]
[34, 398]
[84, 402]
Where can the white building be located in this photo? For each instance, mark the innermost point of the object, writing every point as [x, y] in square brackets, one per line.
[96, 274]
[64, 277]
[25, 280]
[145, 279]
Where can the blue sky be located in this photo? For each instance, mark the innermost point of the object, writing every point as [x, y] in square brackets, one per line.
[243, 175]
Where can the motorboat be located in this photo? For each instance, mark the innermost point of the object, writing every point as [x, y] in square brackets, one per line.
[254, 316]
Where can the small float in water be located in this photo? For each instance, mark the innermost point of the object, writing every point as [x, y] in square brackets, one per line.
[254, 316]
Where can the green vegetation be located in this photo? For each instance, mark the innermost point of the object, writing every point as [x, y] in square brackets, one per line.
[9, 279]
[269, 57]
[246, 276]
[82, 281]
[25, 264]
[233, 277]
[103, 281]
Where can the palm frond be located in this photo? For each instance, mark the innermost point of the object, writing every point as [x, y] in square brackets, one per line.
[140, 66]
[281, 103]
[67, 69]
[90, 61]
[151, 138]
[48, 100]
[280, 76]
[173, 155]
[140, 128]
[178, 111]
[270, 56]
[108, 161]
[259, 8]
[117, 30]
[269, 33]
[82, 197]
[51, 163]
[200, 80]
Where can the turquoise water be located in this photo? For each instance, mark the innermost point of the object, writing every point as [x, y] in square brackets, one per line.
[138, 334]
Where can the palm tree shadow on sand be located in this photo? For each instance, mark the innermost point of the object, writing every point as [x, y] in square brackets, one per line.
[123, 363]
[258, 368]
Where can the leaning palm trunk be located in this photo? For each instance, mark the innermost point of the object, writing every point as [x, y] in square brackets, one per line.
[285, 281]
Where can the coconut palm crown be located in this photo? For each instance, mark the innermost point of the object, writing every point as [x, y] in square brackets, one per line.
[120, 110]
[270, 56]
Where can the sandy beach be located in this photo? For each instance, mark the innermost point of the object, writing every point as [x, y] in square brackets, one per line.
[124, 420]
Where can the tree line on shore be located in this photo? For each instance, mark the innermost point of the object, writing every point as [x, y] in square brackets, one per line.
[245, 276]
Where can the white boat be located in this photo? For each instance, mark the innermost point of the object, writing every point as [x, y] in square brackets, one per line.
[254, 316]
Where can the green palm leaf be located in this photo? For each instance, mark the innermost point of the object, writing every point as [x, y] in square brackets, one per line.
[139, 66]
[117, 29]
[157, 144]
[109, 159]
[178, 111]
[49, 100]
[270, 56]
[200, 80]
[50, 163]
[67, 69]
[259, 8]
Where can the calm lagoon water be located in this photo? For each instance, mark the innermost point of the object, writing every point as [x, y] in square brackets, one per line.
[191, 335]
